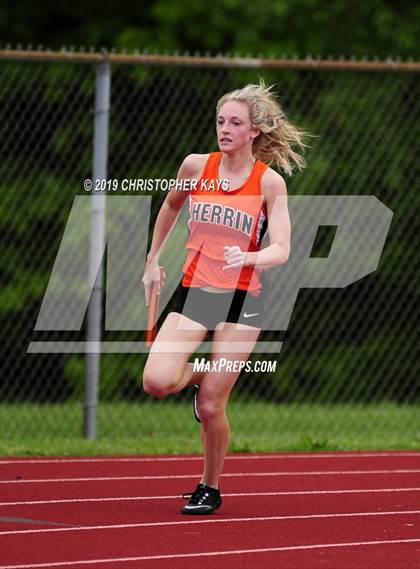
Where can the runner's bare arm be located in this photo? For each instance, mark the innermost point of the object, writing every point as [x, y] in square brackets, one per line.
[169, 211]
[190, 168]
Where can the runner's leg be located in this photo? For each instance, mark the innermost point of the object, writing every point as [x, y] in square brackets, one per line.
[214, 394]
[177, 339]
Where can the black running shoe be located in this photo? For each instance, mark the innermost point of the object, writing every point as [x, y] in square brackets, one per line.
[195, 402]
[205, 500]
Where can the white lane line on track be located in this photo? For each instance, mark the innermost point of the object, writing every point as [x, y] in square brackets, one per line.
[212, 553]
[211, 521]
[42, 460]
[240, 494]
[227, 475]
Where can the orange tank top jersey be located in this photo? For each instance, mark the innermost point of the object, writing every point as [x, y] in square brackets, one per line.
[218, 218]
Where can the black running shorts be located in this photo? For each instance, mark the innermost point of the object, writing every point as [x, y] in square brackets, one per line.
[211, 308]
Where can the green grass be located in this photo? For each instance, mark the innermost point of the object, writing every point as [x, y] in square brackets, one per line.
[167, 427]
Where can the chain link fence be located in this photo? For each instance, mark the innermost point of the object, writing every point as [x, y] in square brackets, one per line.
[344, 348]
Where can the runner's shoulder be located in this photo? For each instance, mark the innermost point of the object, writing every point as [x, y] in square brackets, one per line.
[273, 183]
[193, 165]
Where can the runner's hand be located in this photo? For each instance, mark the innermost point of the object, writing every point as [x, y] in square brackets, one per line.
[154, 276]
[234, 257]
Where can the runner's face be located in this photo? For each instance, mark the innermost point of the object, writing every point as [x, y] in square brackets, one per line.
[233, 127]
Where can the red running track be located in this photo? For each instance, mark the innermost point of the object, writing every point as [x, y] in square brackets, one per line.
[305, 511]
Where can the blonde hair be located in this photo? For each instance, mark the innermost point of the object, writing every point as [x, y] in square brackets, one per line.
[274, 145]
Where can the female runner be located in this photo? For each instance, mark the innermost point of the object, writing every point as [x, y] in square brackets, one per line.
[221, 288]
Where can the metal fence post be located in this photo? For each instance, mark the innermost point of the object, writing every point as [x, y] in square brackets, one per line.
[97, 244]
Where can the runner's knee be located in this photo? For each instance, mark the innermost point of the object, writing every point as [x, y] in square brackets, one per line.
[158, 383]
[211, 410]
